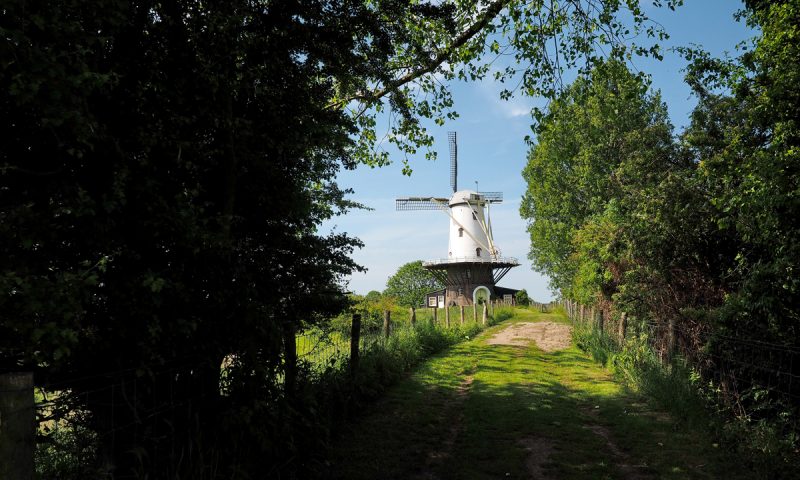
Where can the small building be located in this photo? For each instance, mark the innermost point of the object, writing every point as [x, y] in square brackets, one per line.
[445, 298]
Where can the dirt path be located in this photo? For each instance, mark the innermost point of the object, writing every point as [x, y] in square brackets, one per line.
[548, 336]
[521, 402]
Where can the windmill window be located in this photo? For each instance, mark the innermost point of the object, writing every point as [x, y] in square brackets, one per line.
[474, 217]
[460, 232]
[478, 252]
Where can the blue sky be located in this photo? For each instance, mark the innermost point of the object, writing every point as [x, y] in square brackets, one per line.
[492, 151]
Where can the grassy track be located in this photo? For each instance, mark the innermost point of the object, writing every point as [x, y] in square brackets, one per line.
[483, 411]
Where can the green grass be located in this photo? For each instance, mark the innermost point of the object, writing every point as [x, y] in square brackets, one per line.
[435, 423]
[329, 347]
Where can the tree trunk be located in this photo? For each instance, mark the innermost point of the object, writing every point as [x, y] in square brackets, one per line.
[17, 425]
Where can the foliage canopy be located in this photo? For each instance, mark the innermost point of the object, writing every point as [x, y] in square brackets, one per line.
[410, 284]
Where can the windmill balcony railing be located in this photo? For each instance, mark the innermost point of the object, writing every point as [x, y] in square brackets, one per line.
[473, 259]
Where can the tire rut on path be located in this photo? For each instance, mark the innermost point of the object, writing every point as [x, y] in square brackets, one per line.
[622, 461]
[539, 451]
[436, 458]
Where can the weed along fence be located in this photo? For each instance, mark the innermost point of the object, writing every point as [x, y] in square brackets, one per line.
[341, 343]
[619, 327]
[735, 364]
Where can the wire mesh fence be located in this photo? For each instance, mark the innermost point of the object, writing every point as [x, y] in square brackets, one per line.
[740, 365]
[322, 350]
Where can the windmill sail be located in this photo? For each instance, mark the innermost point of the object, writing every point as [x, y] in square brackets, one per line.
[420, 203]
[451, 138]
[492, 197]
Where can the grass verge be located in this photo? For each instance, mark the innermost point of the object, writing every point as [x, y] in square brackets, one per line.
[677, 389]
[479, 411]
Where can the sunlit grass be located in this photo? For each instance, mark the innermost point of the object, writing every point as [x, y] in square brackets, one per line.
[433, 424]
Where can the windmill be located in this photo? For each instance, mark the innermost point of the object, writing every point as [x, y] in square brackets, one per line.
[474, 264]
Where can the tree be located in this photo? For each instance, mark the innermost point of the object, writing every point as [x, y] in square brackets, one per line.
[745, 140]
[165, 169]
[373, 296]
[599, 146]
[523, 298]
[410, 284]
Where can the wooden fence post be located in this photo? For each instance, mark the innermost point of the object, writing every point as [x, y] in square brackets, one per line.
[623, 325]
[671, 339]
[17, 425]
[582, 310]
[387, 323]
[435, 315]
[290, 358]
[600, 320]
[413, 316]
[447, 317]
[355, 337]
[485, 313]
[461, 311]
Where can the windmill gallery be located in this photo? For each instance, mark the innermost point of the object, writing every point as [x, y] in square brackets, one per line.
[473, 265]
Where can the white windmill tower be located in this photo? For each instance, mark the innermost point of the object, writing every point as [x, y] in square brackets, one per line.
[473, 265]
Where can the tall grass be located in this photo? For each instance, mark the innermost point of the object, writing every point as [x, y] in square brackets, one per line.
[501, 313]
[673, 386]
[679, 389]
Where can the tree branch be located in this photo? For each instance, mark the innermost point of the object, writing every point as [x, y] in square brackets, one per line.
[483, 19]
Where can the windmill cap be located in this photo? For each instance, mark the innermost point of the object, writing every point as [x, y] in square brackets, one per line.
[464, 196]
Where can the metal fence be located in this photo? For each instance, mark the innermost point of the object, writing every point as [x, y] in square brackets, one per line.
[738, 364]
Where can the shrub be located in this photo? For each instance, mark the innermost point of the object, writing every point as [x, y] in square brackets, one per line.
[500, 314]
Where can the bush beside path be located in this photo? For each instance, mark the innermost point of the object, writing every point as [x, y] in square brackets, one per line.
[503, 406]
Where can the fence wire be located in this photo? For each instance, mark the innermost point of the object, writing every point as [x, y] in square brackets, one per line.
[740, 363]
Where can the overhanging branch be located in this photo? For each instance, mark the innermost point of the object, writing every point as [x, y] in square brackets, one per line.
[483, 19]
